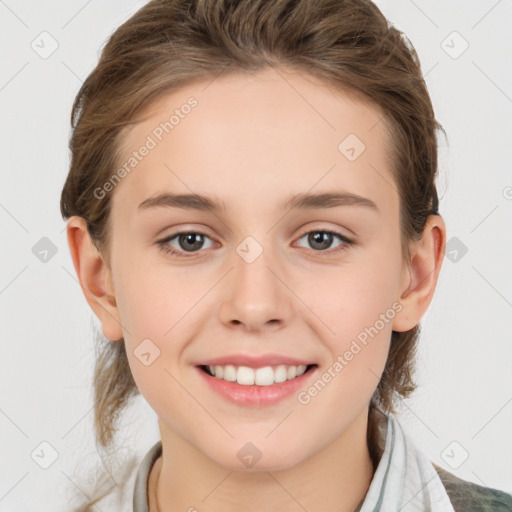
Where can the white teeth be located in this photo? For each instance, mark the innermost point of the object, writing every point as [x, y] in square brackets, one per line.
[244, 375]
[265, 376]
[280, 373]
[291, 372]
[229, 373]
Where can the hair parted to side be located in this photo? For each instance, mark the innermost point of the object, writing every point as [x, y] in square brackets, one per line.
[168, 44]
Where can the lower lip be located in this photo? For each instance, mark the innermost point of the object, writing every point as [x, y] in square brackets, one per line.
[255, 396]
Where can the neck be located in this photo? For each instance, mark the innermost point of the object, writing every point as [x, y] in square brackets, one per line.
[335, 479]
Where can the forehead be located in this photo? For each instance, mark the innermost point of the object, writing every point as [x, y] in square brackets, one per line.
[257, 135]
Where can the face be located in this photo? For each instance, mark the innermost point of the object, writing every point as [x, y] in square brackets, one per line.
[315, 281]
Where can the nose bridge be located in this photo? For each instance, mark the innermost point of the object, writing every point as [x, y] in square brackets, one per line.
[256, 295]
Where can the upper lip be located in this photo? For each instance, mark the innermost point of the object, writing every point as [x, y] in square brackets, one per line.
[254, 361]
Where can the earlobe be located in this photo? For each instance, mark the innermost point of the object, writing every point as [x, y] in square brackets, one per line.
[95, 277]
[420, 277]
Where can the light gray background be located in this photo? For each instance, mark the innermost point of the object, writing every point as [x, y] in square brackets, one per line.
[464, 404]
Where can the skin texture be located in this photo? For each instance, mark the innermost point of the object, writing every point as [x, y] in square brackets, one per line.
[254, 141]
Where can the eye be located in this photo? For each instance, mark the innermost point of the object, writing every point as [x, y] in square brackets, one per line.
[188, 241]
[322, 239]
[192, 241]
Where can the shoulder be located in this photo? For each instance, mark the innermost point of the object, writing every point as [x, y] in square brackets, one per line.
[467, 496]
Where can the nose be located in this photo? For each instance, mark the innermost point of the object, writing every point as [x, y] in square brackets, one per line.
[255, 295]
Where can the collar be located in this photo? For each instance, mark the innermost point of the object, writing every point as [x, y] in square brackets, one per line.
[405, 479]
[140, 495]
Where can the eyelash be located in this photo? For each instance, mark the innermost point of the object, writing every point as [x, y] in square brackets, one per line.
[164, 246]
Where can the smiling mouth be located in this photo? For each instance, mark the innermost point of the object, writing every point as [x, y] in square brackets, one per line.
[264, 376]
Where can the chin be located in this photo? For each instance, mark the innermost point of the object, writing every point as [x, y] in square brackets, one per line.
[257, 456]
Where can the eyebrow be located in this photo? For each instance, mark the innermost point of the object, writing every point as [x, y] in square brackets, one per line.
[304, 201]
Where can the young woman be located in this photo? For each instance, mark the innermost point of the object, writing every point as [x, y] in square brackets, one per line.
[253, 217]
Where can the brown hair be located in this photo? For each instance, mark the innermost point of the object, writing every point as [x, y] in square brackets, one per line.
[167, 44]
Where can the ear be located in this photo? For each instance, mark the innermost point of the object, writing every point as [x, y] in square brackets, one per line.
[419, 278]
[95, 277]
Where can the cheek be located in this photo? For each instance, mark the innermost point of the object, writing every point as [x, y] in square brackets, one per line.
[158, 309]
[356, 309]
[154, 298]
[359, 316]
[350, 299]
